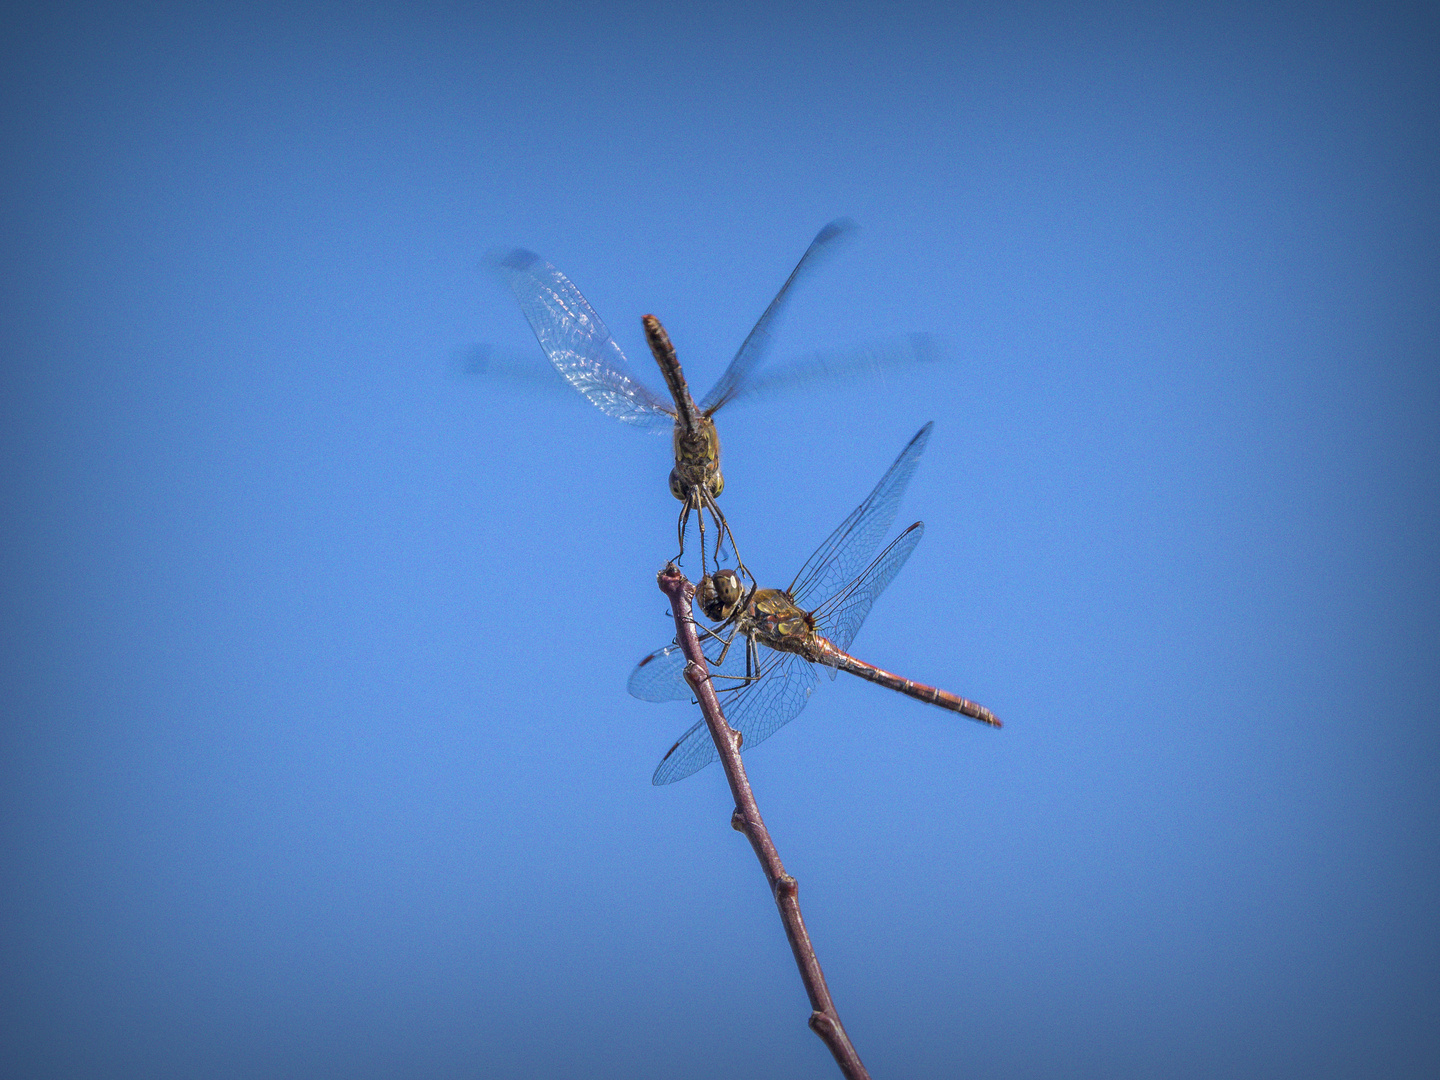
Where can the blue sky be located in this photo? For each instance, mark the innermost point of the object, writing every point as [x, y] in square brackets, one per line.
[317, 756]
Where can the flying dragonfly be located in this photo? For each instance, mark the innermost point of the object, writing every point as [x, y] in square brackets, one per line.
[580, 347]
[766, 669]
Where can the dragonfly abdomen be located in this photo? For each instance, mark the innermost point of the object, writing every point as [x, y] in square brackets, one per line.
[932, 694]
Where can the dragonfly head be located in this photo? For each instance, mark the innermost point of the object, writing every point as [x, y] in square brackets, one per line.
[719, 594]
[683, 482]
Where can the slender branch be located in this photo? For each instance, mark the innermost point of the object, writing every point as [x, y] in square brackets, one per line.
[824, 1020]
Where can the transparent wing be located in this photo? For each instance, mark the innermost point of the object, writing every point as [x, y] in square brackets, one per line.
[753, 349]
[869, 360]
[839, 559]
[691, 753]
[578, 344]
[764, 707]
[757, 711]
[661, 675]
[839, 618]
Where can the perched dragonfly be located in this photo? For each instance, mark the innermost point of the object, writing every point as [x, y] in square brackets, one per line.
[582, 350]
[766, 679]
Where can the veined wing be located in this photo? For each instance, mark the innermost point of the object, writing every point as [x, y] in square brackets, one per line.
[839, 618]
[757, 711]
[752, 350]
[839, 559]
[579, 345]
[691, 753]
[661, 675]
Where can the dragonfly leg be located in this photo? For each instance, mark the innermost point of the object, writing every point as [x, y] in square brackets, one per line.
[708, 635]
[724, 528]
[752, 662]
[719, 535]
[680, 528]
[720, 524]
[695, 501]
[713, 634]
[700, 517]
[721, 527]
[723, 652]
[691, 504]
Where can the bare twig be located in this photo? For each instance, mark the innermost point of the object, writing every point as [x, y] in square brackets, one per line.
[824, 1020]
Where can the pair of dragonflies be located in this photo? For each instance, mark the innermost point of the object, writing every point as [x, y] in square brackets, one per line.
[580, 347]
[766, 644]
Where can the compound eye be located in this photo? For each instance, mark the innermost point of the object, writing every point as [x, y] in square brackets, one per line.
[727, 588]
[677, 488]
[707, 596]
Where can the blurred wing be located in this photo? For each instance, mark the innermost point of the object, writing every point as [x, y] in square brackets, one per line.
[578, 344]
[661, 675]
[752, 350]
[839, 618]
[870, 360]
[757, 711]
[839, 559]
[504, 366]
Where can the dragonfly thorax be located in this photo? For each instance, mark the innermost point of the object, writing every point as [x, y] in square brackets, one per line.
[772, 619]
[697, 462]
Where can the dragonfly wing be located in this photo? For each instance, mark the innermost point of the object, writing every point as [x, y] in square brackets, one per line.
[691, 753]
[837, 365]
[757, 711]
[839, 618]
[764, 707]
[753, 349]
[840, 558]
[661, 675]
[578, 344]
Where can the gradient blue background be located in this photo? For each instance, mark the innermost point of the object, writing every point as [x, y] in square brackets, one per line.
[317, 756]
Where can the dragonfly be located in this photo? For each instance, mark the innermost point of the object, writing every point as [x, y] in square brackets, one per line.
[577, 343]
[767, 666]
